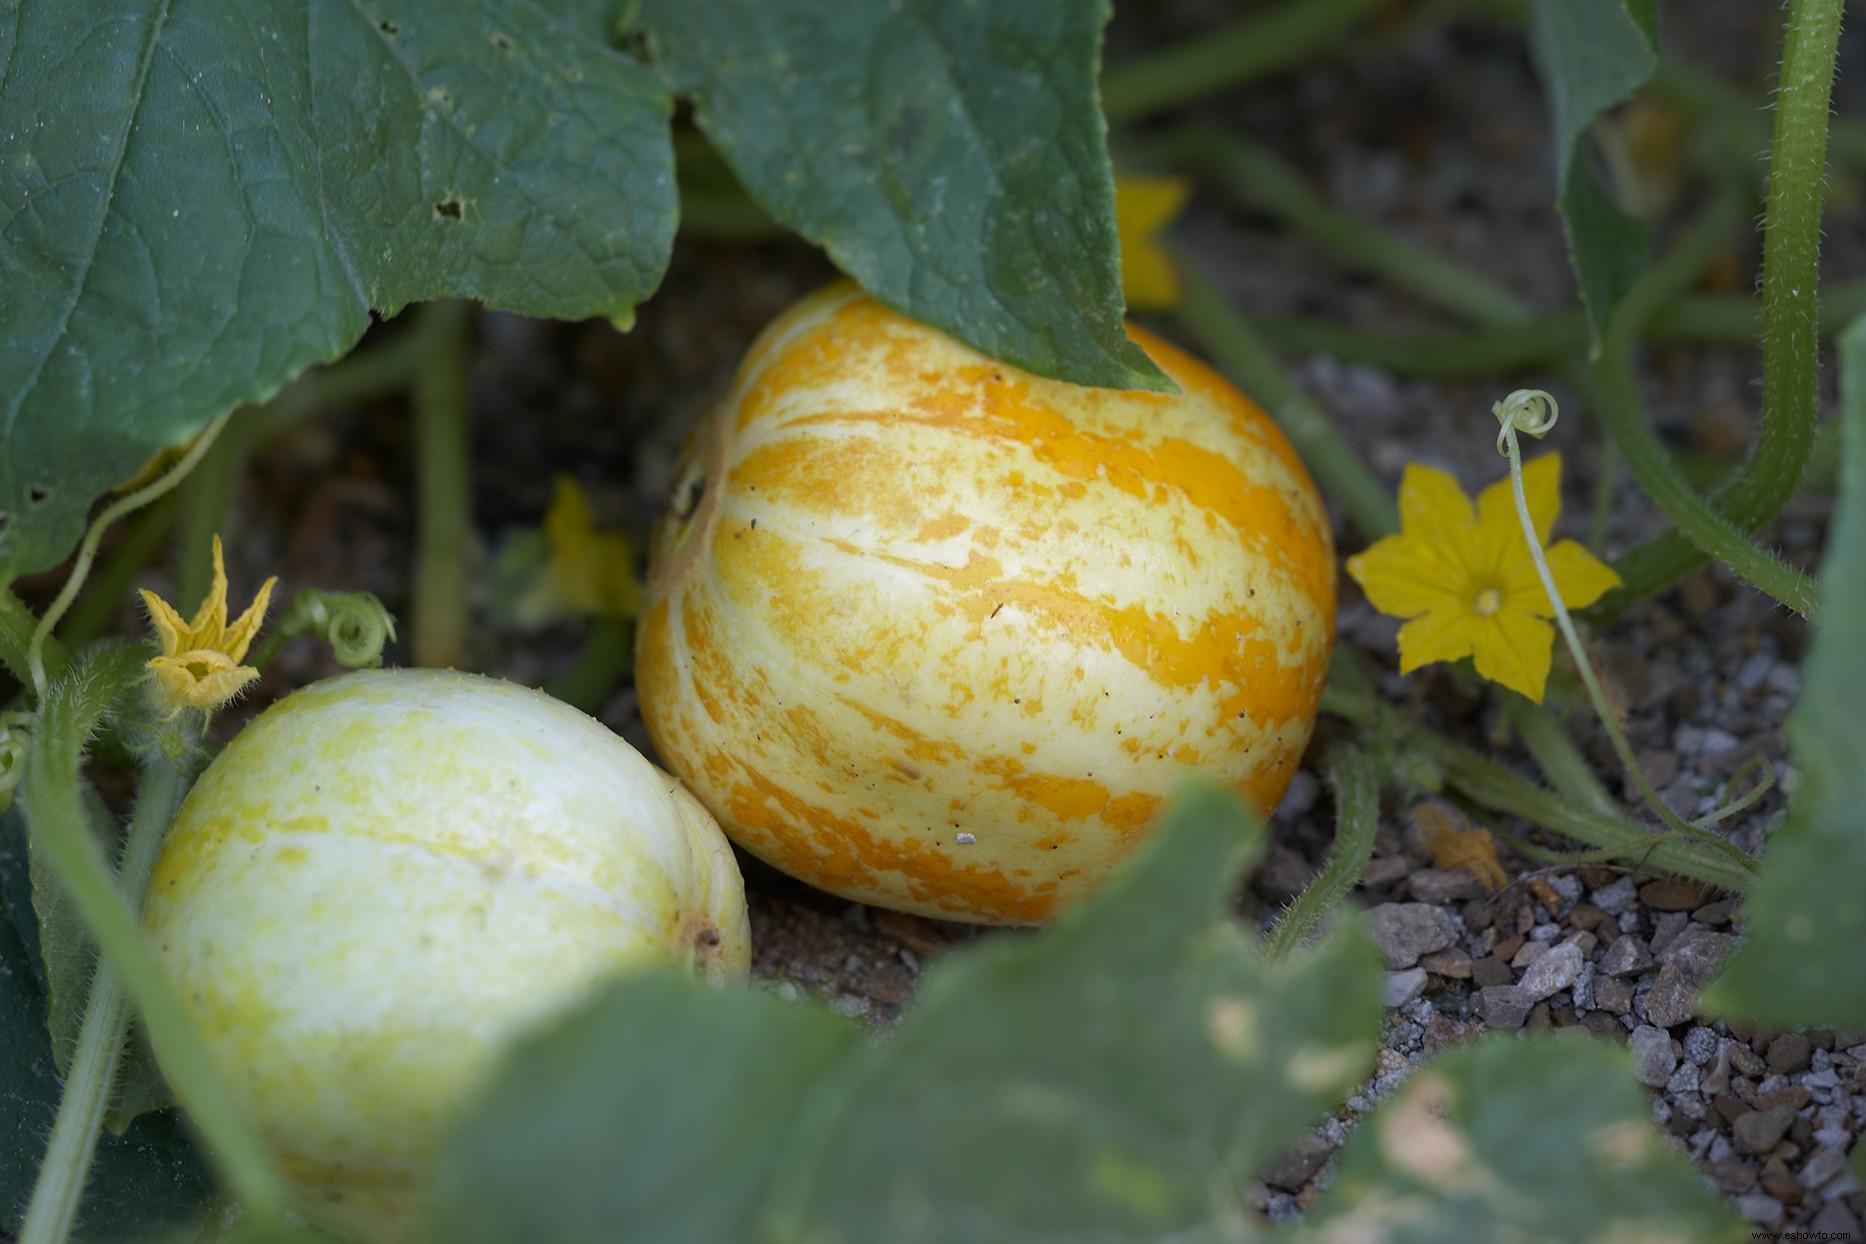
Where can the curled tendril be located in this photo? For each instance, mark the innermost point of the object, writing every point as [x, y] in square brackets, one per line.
[1531, 411]
[13, 740]
[356, 625]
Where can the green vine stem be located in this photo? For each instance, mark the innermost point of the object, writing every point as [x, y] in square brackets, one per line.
[444, 480]
[1556, 755]
[59, 1190]
[18, 625]
[69, 712]
[1209, 318]
[1357, 817]
[1617, 404]
[1790, 316]
[1533, 412]
[87, 550]
[1475, 776]
[102, 600]
[1481, 780]
[1260, 177]
[1542, 339]
[1219, 60]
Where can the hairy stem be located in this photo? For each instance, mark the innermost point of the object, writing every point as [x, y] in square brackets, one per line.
[1790, 321]
[1618, 406]
[55, 817]
[1357, 817]
[59, 1189]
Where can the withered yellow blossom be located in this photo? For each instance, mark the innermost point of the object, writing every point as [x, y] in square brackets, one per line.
[199, 666]
[1143, 207]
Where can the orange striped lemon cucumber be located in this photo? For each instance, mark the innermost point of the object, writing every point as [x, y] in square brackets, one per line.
[388, 876]
[930, 632]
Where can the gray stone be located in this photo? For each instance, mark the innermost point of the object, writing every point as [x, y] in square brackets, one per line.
[1672, 1000]
[1697, 952]
[1404, 931]
[1617, 897]
[1653, 1059]
[1760, 1207]
[1667, 927]
[1445, 885]
[1760, 1130]
[1822, 1166]
[1835, 1222]
[1405, 985]
[1552, 973]
[1684, 1085]
[1503, 1006]
[1528, 954]
[1700, 1045]
[1626, 957]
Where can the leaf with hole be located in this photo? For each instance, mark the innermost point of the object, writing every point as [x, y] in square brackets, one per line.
[207, 198]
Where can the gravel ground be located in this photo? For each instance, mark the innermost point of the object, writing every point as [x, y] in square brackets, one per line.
[1438, 134]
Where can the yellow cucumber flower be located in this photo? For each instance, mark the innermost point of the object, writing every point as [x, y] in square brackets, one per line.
[1143, 206]
[591, 571]
[200, 662]
[1465, 578]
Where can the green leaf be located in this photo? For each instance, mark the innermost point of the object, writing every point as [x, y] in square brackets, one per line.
[203, 197]
[950, 157]
[1806, 923]
[1117, 1078]
[1592, 55]
[1540, 1141]
[654, 1113]
[148, 1179]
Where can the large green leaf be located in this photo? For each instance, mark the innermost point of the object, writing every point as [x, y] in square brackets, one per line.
[148, 1178]
[1593, 54]
[199, 198]
[1806, 921]
[1544, 1141]
[1118, 1078]
[653, 1114]
[950, 157]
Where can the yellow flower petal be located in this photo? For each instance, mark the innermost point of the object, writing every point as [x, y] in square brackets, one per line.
[1580, 577]
[1144, 206]
[170, 630]
[199, 666]
[1405, 576]
[591, 571]
[1512, 649]
[1496, 508]
[1442, 635]
[1431, 502]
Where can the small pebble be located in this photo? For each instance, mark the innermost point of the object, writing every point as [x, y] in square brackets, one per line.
[1617, 897]
[1700, 1045]
[1503, 1006]
[1528, 954]
[1614, 995]
[1489, 971]
[1626, 957]
[1759, 1130]
[1823, 1166]
[1672, 999]
[1454, 964]
[1404, 931]
[1759, 1207]
[1698, 953]
[1788, 1053]
[1405, 985]
[1444, 885]
[1553, 972]
[1653, 1059]
[1673, 894]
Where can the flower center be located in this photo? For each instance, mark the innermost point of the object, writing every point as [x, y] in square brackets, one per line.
[1488, 602]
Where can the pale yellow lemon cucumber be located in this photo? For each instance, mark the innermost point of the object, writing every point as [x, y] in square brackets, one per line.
[930, 632]
[388, 876]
